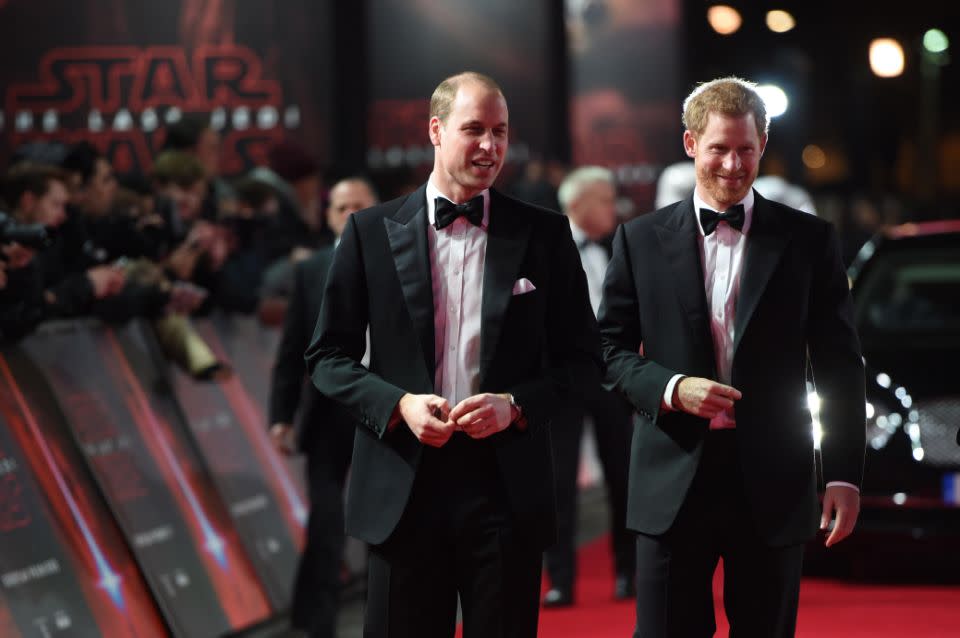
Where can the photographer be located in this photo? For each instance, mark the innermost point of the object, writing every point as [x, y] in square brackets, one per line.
[112, 235]
[72, 270]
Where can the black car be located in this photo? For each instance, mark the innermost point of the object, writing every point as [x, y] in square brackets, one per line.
[906, 290]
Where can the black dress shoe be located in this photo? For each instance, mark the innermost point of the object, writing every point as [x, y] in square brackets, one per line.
[558, 597]
[625, 587]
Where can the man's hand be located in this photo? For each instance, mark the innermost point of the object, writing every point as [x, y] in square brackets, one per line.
[482, 414]
[845, 501]
[185, 297]
[703, 397]
[427, 416]
[282, 435]
[106, 281]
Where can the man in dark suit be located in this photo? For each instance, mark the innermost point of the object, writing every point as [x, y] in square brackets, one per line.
[729, 299]
[588, 196]
[479, 326]
[324, 433]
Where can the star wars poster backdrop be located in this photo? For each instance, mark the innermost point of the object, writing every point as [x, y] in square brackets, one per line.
[115, 72]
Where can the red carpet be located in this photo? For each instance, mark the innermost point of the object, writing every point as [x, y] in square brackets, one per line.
[828, 609]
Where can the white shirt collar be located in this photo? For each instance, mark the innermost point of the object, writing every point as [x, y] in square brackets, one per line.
[747, 202]
[579, 235]
[433, 193]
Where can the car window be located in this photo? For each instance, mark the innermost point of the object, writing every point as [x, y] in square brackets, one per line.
[911, 294]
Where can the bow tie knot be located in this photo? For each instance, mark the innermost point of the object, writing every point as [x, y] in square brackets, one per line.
[446, 212]
[734, 216]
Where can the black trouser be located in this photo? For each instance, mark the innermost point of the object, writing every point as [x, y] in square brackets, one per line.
[455, 538]
[317, 587]
[612, 429]
[675, 570]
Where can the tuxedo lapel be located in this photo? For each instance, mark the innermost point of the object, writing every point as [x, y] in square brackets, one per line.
[678, 241]
[507, 237]
[765, 244]
[407, 233]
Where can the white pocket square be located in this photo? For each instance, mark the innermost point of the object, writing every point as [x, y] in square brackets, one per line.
[523, 286]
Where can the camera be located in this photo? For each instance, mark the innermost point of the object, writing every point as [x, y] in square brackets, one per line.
[29, 235]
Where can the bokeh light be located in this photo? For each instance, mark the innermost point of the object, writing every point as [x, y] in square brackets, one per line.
[724, 19]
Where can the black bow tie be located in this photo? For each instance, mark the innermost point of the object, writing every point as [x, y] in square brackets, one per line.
[446, 212]
[734, 216]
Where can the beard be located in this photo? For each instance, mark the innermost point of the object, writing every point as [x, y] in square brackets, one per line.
[723, 193]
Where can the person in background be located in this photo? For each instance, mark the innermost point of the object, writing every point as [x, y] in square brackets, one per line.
[73, 272]
[298, 228]
[588, 197]
[323, 432]
[193, 133]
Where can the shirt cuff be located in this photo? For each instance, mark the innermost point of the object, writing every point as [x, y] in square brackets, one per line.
[666, 403]
[844, 484]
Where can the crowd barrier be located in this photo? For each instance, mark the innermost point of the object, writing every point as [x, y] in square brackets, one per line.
[136, 500]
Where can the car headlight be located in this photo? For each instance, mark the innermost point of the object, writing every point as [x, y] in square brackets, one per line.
[887, 410]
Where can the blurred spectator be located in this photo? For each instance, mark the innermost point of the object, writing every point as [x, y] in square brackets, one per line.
[298, 227]
[125, 288]
[71, 270]
[346, 197]
[194, 134]
[588, 196]
[91, 180]
[676, 182]
[202, 247]
[780, 190]
[247, 227]
[328, 447]
[180, 178]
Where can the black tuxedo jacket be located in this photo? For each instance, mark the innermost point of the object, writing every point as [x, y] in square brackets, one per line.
[794, 309]
[289, 395]
[540, 346]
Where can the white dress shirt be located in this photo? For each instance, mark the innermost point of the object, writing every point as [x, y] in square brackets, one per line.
[594, 260]
[457, 256]
[721, 254]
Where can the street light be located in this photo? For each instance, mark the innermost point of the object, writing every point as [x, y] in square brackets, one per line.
[935, 41]
[724, 19]
[933, 57]
[780, 21]
[886, 58]
[774, 99]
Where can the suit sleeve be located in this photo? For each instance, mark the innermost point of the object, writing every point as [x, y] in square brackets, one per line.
[574, 363]
[640, 379]
[288, 368]
[339, 341]
[838, 370]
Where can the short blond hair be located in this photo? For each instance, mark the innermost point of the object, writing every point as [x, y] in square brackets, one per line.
[441, 102]
[725, 96]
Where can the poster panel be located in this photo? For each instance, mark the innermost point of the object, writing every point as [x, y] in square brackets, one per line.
[165, 504]
[64, 567]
